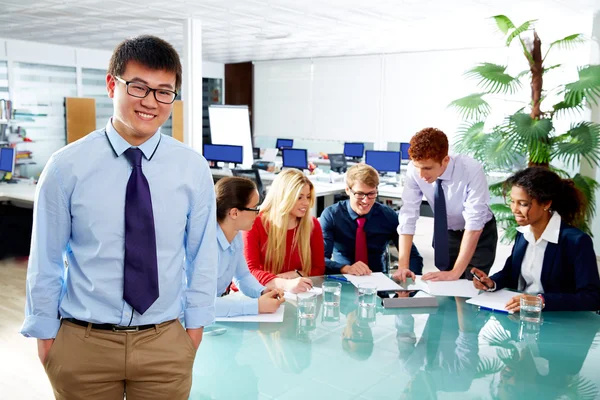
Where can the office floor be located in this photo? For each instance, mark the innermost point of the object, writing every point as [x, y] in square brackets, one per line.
[22, 375]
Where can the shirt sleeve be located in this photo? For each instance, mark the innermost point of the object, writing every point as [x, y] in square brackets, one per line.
[254, 239]
[411, 203]
[201, 255]
[233, 306]
[49, 240]
[328, 228]
[317, 250]
[244, 280]
[475, 206]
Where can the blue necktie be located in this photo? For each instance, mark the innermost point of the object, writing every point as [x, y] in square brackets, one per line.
[440, 229]
[140, 288]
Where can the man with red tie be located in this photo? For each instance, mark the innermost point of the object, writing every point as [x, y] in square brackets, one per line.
[357, 231]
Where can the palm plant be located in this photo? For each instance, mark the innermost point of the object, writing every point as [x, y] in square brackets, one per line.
[528, 135]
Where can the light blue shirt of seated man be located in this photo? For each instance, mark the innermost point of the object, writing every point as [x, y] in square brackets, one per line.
[78, 241]
[232, 266]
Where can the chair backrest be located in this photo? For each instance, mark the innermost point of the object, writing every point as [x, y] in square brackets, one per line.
[254, 176]
[338, 162]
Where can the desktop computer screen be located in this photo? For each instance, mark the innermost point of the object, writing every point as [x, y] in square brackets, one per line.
[354, 149]
[383, 161]
[7, 159]
[404, 150]
[295, 158]
[281, 143]
[223, 152]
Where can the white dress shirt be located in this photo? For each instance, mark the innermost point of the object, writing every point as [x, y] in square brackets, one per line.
[531, 269]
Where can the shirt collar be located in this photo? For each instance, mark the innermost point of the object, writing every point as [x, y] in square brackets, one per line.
[223, 242]
[119, 144]
[353, 213]
[447, 175]
[550, 234]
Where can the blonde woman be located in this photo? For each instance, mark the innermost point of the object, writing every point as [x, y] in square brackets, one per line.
[285, 244]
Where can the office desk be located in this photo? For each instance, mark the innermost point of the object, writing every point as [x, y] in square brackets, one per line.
[455, 351]
[19, 194]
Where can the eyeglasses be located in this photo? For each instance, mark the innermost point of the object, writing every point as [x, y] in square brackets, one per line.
[140, 90]
[361, 195]
[256, 210]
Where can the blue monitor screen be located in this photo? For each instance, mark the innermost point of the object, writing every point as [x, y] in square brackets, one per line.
[281, 143]
[354, 149]
[295, 158]
[404, 150]
[7, 159]
[383, 161]
[223, 152]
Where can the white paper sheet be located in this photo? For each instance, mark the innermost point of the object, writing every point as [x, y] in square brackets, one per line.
[459, 288]
[378, 278]
[277, 316]
[292, 296]
[269, 155]
[494, 300]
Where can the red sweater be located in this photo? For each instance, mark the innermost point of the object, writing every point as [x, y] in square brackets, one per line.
[255, 250]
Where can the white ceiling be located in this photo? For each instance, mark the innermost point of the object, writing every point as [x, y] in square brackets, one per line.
[250, 30]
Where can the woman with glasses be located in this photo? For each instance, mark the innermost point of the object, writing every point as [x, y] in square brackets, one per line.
[237, 207]
[285, 245]
[550, 258]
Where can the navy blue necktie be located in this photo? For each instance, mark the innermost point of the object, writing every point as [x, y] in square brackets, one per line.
[440, 229]
[140, 288]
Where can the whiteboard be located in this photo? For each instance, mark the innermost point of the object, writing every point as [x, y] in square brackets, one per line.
[231, 125]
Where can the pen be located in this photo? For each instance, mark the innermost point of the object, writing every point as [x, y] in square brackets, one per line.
[337, 278]
[495, 310]
[298, 272]
[480, 281]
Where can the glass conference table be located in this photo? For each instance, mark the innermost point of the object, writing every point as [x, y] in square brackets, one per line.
[452, 351]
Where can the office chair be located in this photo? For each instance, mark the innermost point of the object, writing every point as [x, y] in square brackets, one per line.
[338, 162]
[254, 176]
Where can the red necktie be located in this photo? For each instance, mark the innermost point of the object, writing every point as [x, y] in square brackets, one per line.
[361, 253]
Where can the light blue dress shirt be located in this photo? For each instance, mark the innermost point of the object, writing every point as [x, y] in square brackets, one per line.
[465, 190]
[232, 266]
[77, 246]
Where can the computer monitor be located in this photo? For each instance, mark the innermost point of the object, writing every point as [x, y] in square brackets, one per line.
[383, 161]
[354, 150]
[223, 152]
[404, 151]
[295, 158]
[281, 143]
[7, 159]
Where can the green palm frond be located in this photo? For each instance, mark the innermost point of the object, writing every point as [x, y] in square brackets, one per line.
[532, 133]
[522, 28]
[502, 211]
[493, 78]
[502, 151]
[504, 23]
[563, 109]
[570, 42]
[550, 68]
[471, 139]
[497, 189]
[472, 107]
[488, 366]
[588, 187]
[588, 86]
[582, 140]
[581, 388]
[506, 221]
[560, 172]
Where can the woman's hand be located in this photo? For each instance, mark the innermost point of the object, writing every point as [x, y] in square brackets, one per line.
[298, 285]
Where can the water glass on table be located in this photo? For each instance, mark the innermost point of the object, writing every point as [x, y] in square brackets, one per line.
[367, 295]
[332, 293]
[307, 305]
[531, 309]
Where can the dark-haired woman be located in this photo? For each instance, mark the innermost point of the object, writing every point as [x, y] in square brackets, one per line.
[550, 258]
[237, 202]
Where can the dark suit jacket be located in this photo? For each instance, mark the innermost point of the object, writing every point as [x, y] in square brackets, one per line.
[569, 271]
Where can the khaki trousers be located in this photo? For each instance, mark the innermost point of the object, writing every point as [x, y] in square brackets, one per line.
[156, 363]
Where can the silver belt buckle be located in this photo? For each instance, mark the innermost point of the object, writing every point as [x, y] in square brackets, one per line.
[120, 328]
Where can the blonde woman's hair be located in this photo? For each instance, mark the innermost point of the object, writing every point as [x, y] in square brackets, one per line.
[279, 202]
[362, 173]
